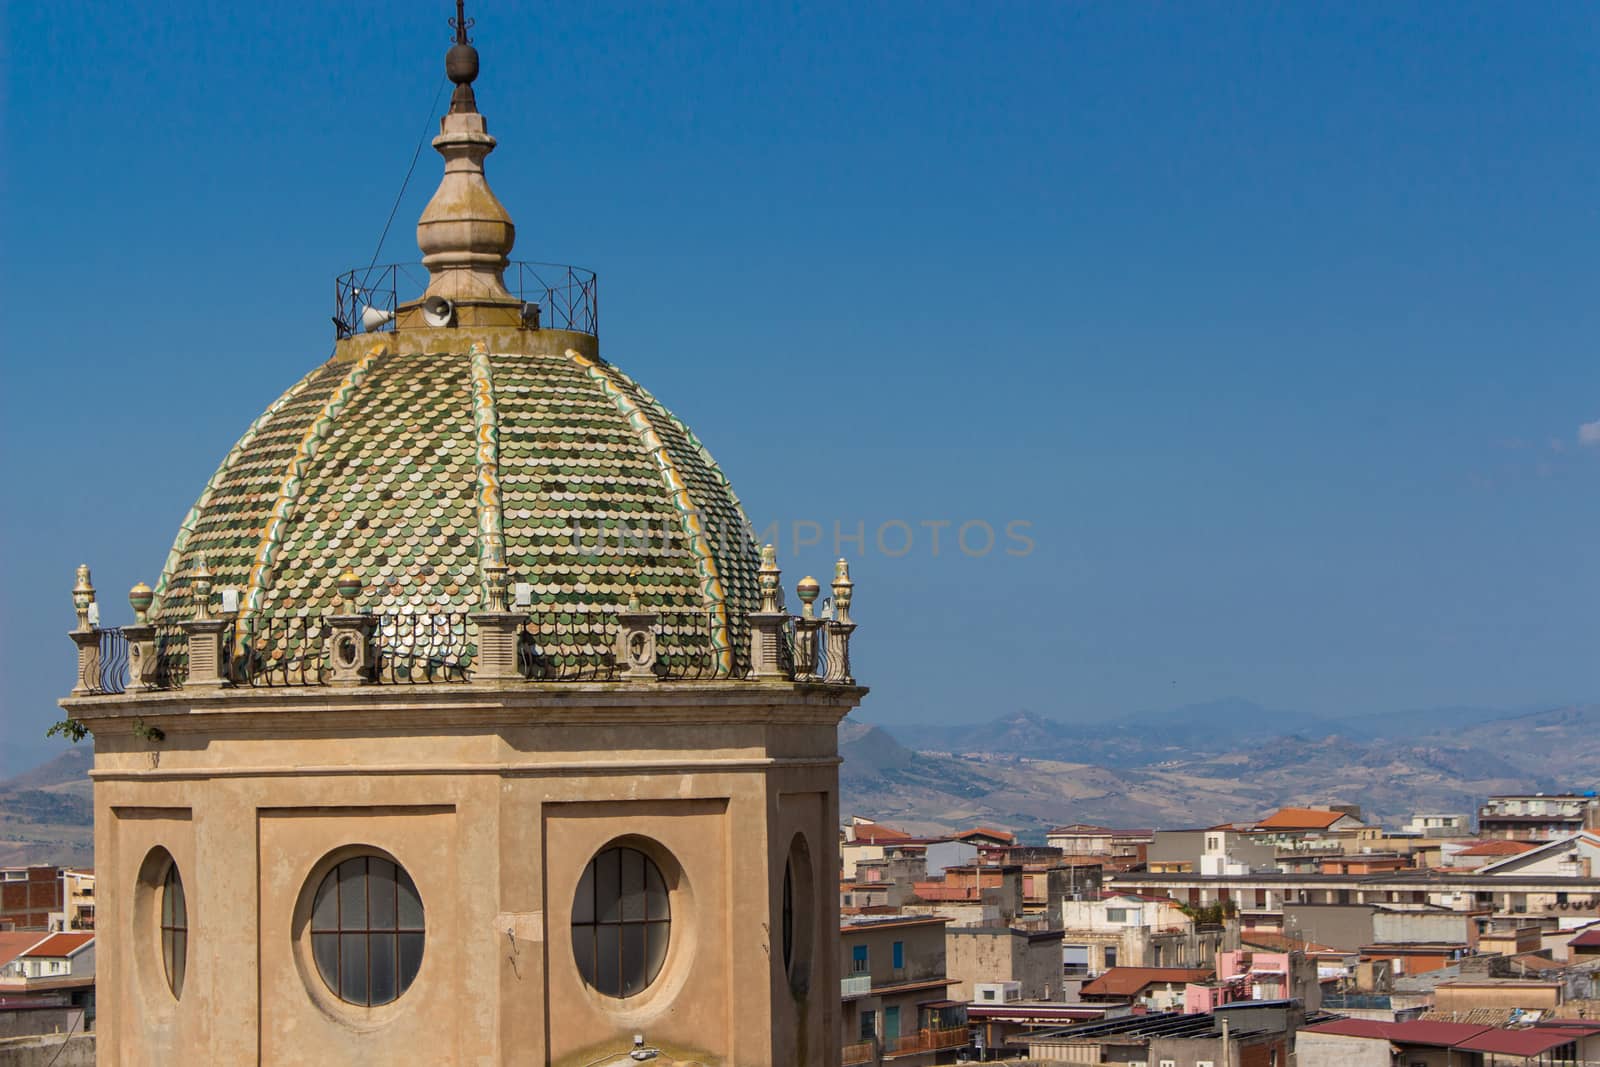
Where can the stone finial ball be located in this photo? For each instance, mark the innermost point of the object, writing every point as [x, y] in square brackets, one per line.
[140, 596]
[461, 64]
[808, 588]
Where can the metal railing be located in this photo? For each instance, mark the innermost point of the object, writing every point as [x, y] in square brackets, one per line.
[418, 649]
[855, 985]
[928, 1041]
[276, 651]
[172, 656]
[270, 651]
[555, 296]
[858, 1052]
[107, 672]
[567, 647]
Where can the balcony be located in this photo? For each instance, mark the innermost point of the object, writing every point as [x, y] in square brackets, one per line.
[927, 1041]
[855, 985]
[859, 1053]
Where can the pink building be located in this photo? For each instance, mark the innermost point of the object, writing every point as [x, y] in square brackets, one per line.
[1246, 974]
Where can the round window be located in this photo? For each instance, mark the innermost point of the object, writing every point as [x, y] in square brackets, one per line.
[174, 929]
[621, 920]
[367, 930]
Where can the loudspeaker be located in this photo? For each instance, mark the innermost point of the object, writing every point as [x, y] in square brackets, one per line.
[437, 311]
[375, 318]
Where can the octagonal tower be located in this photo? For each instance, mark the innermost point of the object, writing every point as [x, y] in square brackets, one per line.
[464, 720]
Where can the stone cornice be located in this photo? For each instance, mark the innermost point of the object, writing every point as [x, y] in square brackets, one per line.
[524, 769]
[381, 707]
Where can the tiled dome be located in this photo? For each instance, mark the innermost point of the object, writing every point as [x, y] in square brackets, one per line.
[465, 440]
[400, 464]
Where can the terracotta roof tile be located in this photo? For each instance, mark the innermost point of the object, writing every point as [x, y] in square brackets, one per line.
[1300, 819]
[59, 945]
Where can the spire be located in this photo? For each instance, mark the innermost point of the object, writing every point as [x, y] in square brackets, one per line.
[461, 63]
[465, 233]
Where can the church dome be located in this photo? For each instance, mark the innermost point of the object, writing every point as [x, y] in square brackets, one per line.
[469, 444]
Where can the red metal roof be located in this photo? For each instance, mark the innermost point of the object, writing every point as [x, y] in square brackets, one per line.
[59, 945]
[1416, 1032]
[1519, 1042]
[1590, 938]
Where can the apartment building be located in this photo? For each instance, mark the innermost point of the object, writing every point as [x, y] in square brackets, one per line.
[894, 992]
[1028, 959]
[1538, 816]
[1134, 930]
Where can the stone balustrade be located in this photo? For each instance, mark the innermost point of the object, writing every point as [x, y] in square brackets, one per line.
[218, 651]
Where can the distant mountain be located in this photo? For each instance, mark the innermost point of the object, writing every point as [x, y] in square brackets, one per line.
[46, 814]
[1221, 761]
[1206, 763]
[69, 768]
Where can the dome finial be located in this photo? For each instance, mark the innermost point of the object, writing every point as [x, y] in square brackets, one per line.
[461, 64]
[465, 233]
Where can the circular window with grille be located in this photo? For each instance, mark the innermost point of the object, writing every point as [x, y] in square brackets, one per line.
[367, 930]
[621, 922]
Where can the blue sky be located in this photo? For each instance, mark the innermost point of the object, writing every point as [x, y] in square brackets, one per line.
[1276, 324]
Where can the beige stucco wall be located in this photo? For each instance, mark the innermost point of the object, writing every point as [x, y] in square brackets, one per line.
[494, 800]
[1337, 1050]
[1003, 955]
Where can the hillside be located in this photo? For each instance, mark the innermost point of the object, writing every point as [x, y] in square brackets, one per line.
[1210, 763]
[46, 814]
[1185, 767]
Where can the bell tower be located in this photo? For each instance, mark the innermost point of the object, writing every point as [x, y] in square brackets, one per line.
[465, 721]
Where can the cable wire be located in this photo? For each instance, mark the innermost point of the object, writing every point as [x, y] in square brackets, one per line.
[427, 125]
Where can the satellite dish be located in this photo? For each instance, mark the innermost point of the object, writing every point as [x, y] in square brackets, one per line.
[375, 318]
[437, 311]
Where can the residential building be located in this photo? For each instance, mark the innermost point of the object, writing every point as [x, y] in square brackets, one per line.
[895, 992]
[1081, 839]
[975, 895]
[29, 896]
[46, 979]
[1131, 930]
[1028, 959]
[1538, 816]
[864, 839]
[1249, 974]
[1155, 989]
[1570, 856]
[1300, 829]
[1240, 1035]
[1477, 854]
[66, 955]
[1438, 824]
[938, 855]
[1222, 849]
[1118, 849]
[1428, 1043]
[1260, 897]
[77, 899]
[1584, 947]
